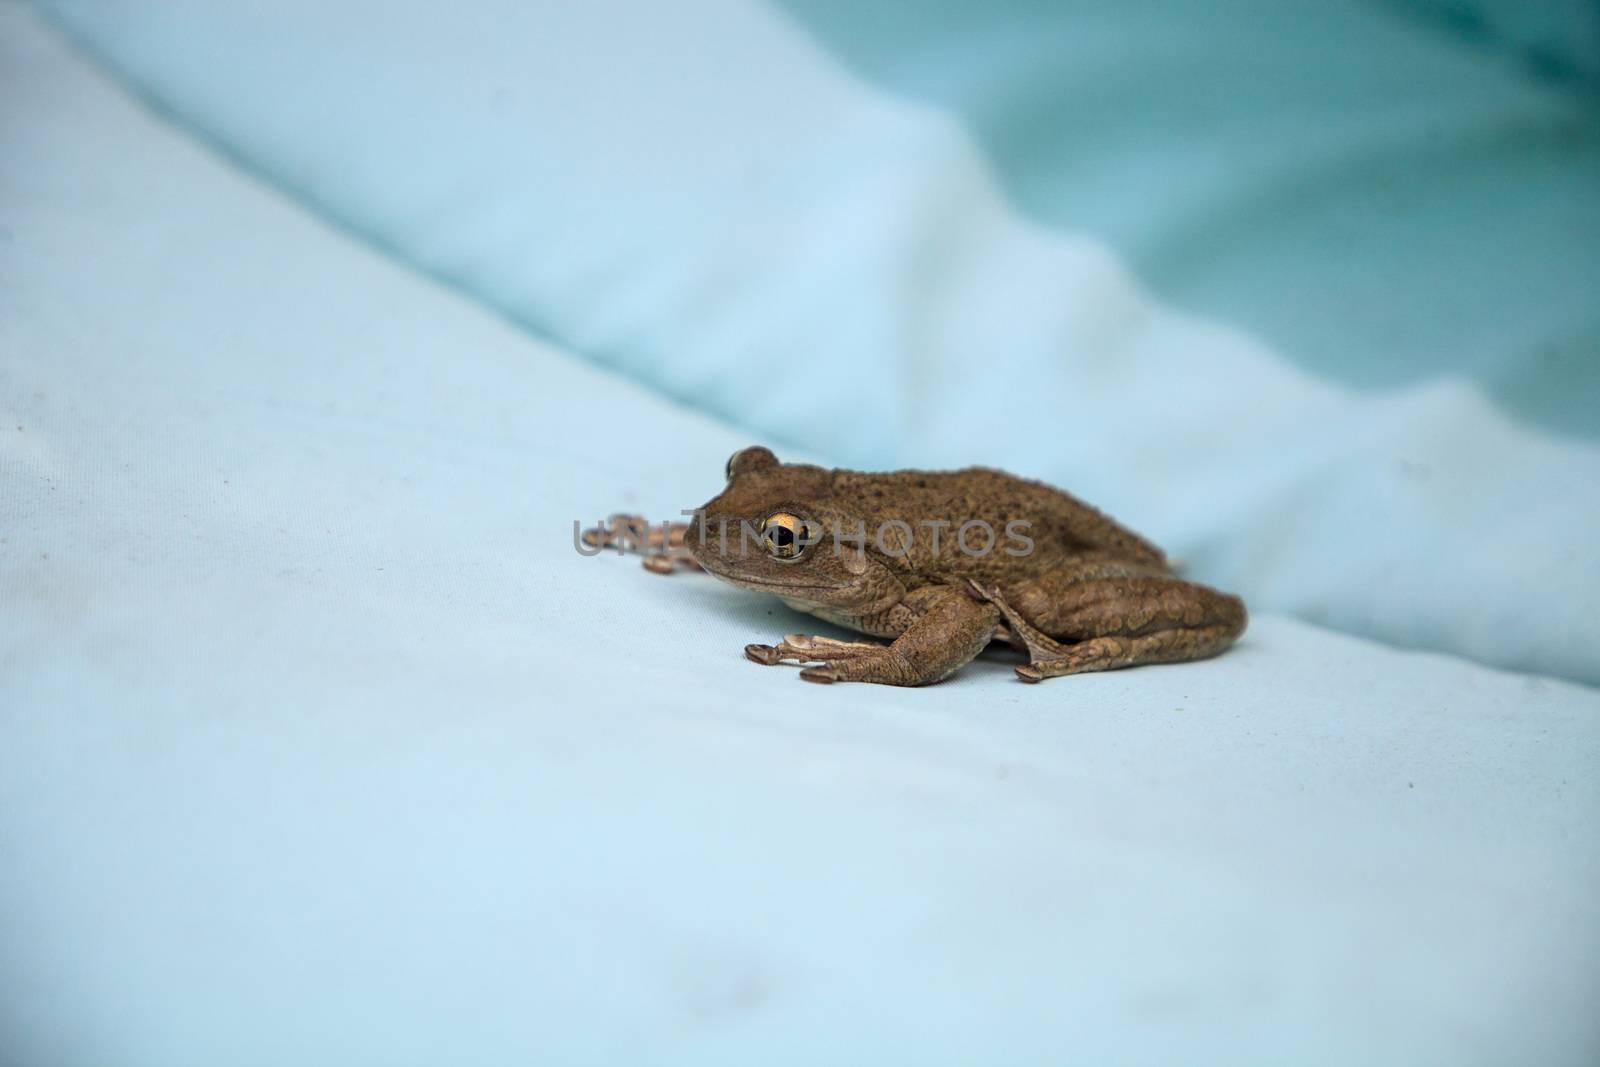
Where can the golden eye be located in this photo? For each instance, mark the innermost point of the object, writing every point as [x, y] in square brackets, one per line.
[786, 536]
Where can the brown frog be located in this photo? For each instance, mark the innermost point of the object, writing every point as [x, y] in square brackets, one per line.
[941, 564]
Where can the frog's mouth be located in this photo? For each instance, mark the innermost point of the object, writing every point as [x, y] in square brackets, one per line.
[762, 583]
[787, 587]
[714, 567]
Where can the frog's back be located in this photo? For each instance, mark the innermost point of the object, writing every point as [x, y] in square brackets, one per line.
[1059, 524]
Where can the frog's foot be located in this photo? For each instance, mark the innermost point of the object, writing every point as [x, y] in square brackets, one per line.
[1171, 622]
[830, 654]
[661, 545]
[1110, 653]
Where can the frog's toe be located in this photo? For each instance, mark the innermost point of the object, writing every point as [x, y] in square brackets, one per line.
[821, 675]
[661, 545]
[825, 645]
[767, 655]
[792, 649]
[829, 653]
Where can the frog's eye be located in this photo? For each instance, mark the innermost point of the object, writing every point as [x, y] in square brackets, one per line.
[786, 536]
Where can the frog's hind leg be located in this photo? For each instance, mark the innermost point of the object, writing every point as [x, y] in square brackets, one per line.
[1110, 653]
[1108, 623]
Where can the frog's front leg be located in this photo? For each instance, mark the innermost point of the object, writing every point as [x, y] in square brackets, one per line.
[951, 628]
[660, 544]
[1106, 623]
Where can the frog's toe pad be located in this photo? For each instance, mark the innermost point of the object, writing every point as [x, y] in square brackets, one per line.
[1040, 669]
[766, 655]
[820, 675]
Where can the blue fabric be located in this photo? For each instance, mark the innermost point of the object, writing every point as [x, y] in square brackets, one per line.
[1376, 198]
[1553, 41]
[1303, 290]
[319, 743]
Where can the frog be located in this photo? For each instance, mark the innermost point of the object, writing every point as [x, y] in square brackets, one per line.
[938, 565]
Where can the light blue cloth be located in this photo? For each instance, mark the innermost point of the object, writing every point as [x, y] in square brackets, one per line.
[1304, 290]
[319, 743]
